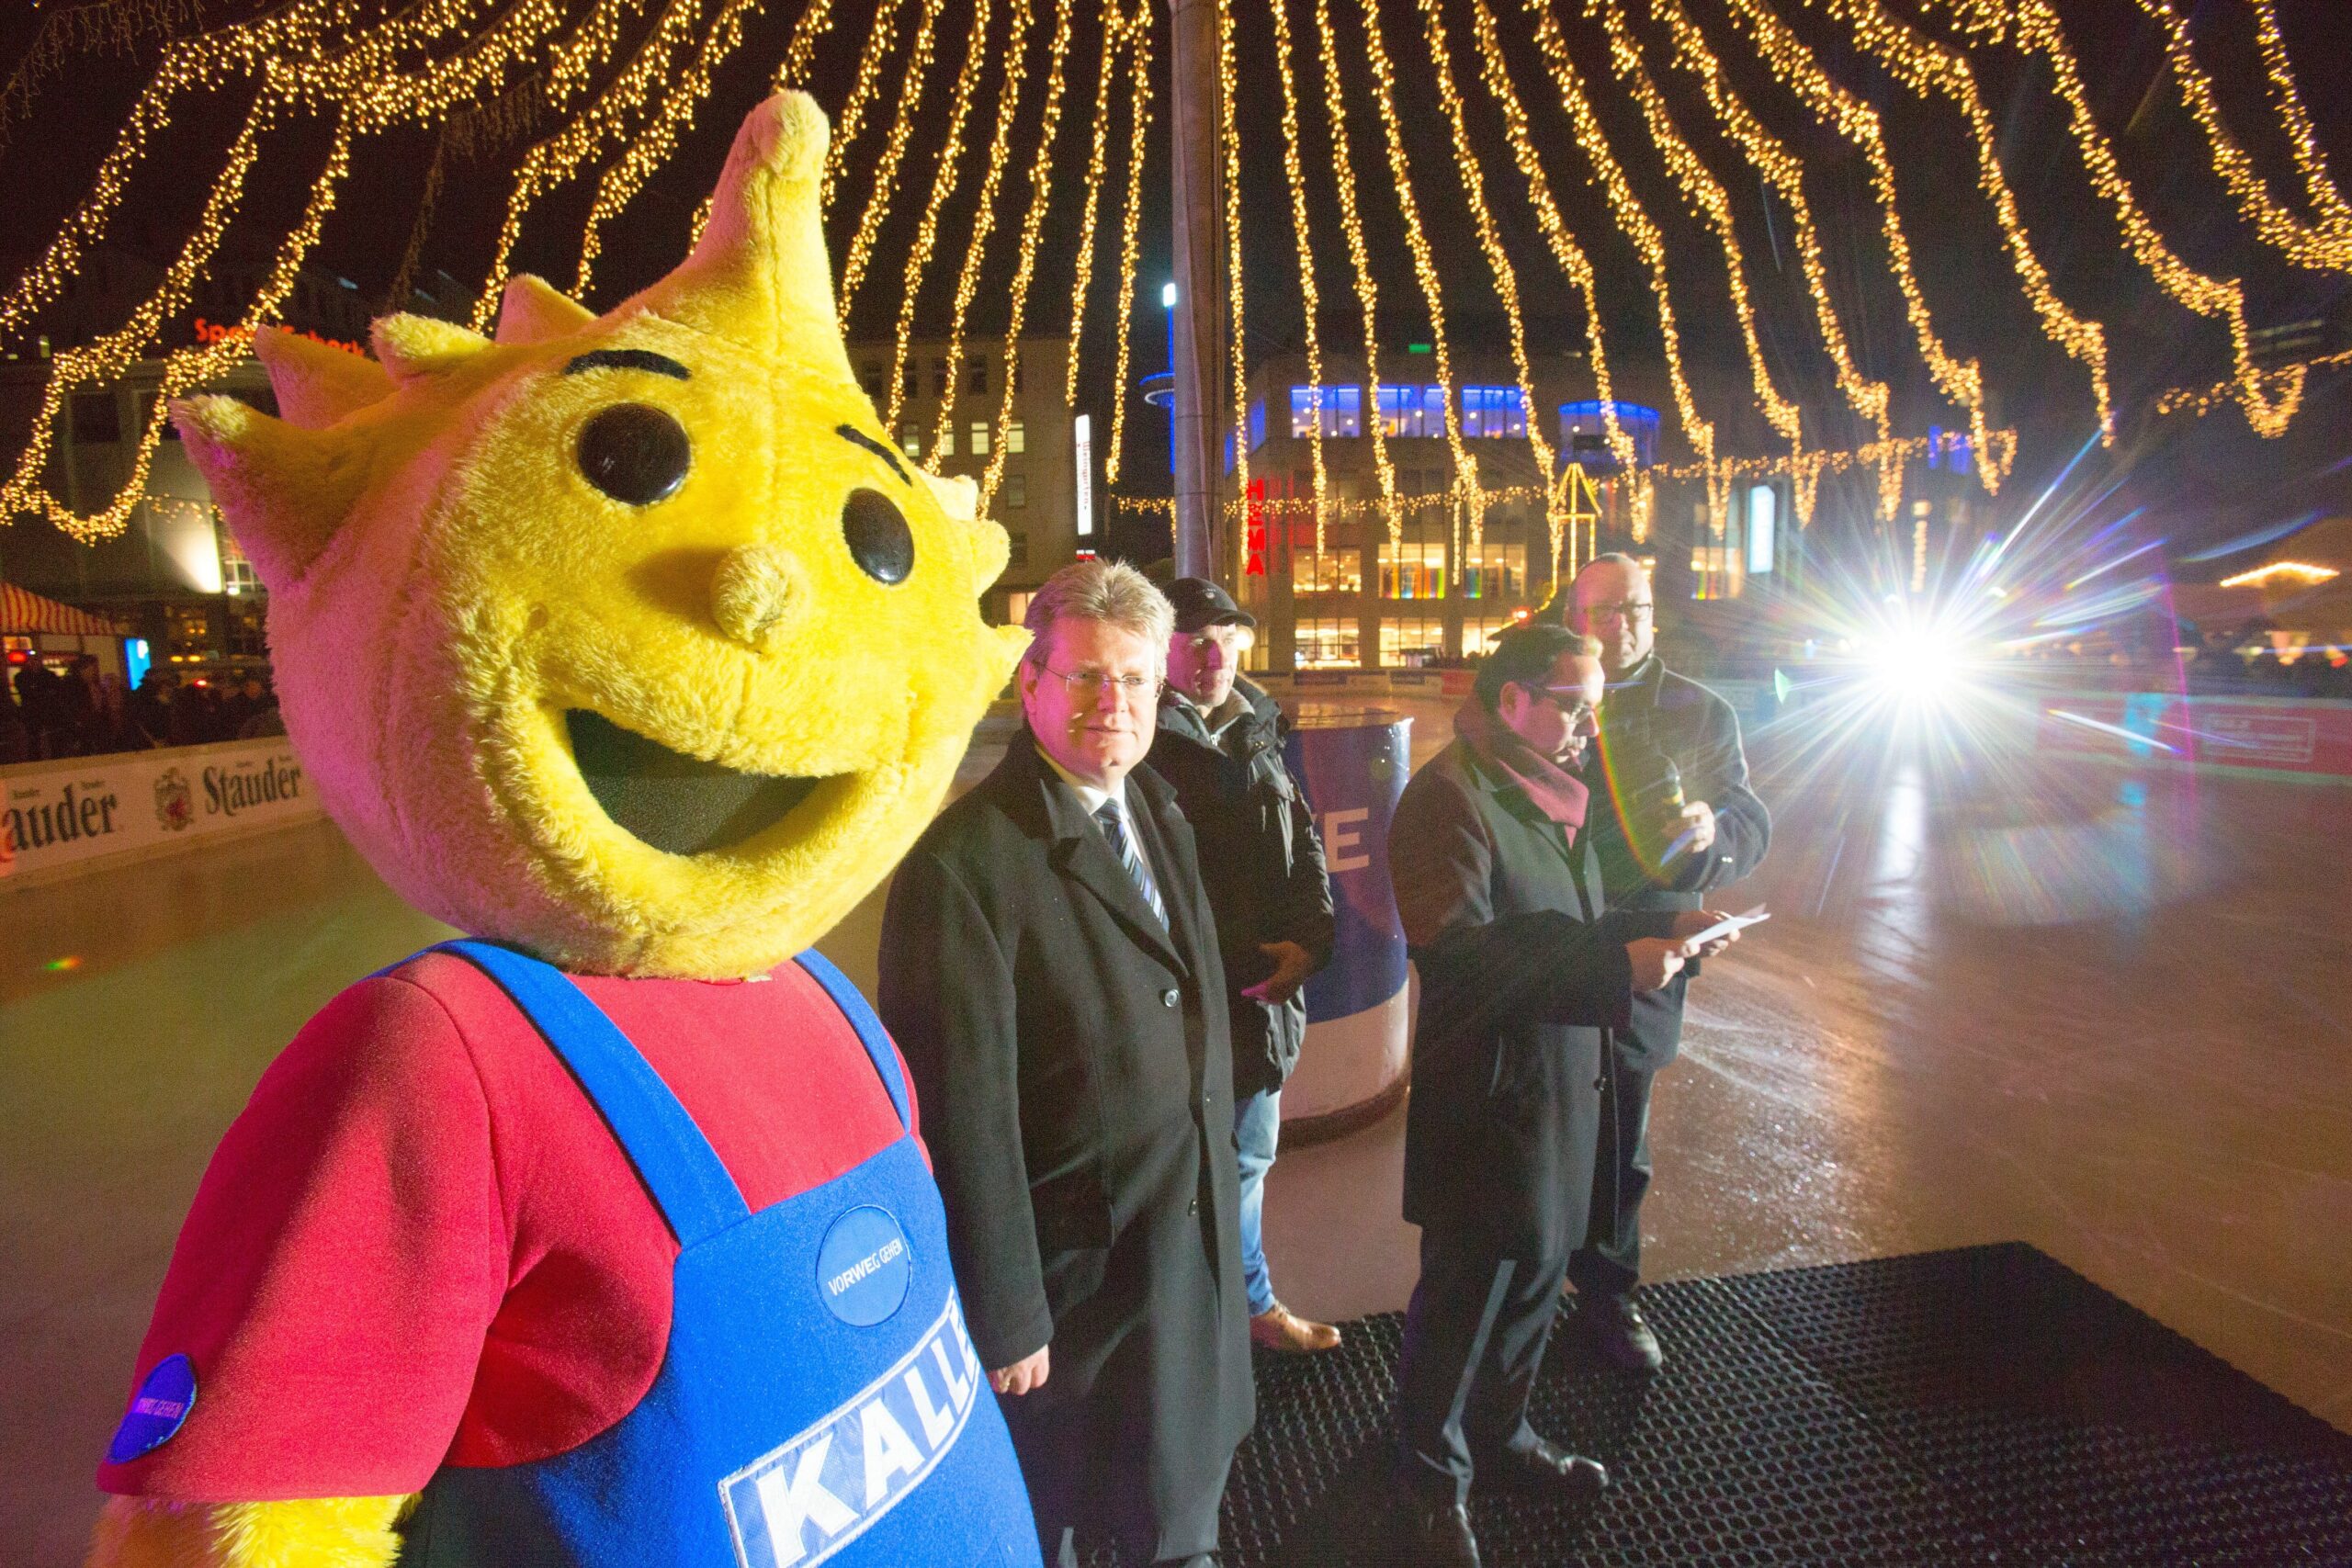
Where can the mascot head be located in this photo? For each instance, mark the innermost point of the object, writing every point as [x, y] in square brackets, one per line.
[629, 639]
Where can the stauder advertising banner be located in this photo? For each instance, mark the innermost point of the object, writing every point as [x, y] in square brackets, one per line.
[85, 807]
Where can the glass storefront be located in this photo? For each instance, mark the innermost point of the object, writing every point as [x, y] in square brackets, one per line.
[1410, 638]
[1326, 641]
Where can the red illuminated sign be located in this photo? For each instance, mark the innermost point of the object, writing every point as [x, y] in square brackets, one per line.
[224, 332]
[1254, 531]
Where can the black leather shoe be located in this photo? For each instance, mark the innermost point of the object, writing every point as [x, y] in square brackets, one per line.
[1433, 1534]
[1546, 1467]
[1614, 1326]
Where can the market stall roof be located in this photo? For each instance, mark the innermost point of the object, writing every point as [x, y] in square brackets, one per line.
[23, 611]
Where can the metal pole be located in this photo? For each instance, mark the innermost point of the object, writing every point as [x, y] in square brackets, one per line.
[1200, 316]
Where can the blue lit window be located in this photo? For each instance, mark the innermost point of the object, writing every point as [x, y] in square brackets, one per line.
[1493, 411]
[1256, 426]
[1412, 411]
[1343, 410]
[1584, 431]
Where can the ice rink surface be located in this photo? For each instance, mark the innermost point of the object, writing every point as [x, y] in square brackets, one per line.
[2106, 1013]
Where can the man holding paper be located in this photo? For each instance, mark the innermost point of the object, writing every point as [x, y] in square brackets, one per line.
[1523, 974]
[1674, 818]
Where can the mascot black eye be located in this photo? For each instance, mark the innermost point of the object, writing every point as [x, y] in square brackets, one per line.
[635, 454]
[879, 540]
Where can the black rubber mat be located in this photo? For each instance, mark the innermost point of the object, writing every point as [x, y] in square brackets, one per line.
[1981, 1405]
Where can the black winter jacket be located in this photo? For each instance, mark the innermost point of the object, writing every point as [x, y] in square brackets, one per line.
[1262, 865]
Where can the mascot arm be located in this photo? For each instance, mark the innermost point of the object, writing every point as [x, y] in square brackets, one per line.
[330, 1288]
[317, 1532]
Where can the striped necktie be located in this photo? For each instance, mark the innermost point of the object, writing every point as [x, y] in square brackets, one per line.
[1114, 824]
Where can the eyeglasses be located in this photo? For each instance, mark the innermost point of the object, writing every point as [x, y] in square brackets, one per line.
[1086, 685]
[1631, 610]
[1581, 713]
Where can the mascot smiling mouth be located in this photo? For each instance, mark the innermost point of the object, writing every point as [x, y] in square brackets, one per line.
[678, 804]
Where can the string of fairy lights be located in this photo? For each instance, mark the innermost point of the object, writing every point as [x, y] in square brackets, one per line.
[1632, 220]
[1784, 173]
[1869, 457]
[1139, 30]
[1097, 163]
[882, 185]
[1925, 66]
[1506, 279]
[2323, 191]
[944, 174]
[1359, 254]
[1230, 148]
[1705, 194]
[2325, 247]
[608, 90]
[1855, 121]
[1301, 235]
[967, 280]
[2270, 398]
[879, 37]
[1383, 78]
[1041, 191]
[1570, 254]
[658, 139]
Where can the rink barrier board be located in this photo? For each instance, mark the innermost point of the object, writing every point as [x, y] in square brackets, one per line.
[2275, 738]
[91, 813]
[2271, 738]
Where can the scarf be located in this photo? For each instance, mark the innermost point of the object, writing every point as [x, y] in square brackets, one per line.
[1551, 788]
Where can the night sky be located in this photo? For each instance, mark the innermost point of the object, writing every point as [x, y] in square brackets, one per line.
[2200, 478]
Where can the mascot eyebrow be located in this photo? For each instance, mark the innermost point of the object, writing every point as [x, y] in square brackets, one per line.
[628, 359]
[857, 437]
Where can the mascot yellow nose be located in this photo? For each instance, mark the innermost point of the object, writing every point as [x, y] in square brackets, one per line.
[755, 595]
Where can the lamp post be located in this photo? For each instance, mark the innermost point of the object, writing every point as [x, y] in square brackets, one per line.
[1158, 388]
[1195, 321]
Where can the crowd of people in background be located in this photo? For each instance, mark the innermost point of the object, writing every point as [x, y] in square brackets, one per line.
[83, 712]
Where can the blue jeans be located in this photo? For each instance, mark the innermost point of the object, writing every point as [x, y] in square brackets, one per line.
[1257, 1127]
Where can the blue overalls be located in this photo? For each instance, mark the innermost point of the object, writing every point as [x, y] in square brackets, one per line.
[820, 1399]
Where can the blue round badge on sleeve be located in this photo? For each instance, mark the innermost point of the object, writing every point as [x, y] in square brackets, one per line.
[862, 1268]
[157, 1411]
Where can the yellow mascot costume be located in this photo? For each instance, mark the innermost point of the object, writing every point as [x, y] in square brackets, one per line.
[631, 647]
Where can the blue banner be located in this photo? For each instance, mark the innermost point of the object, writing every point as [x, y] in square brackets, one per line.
[1353, 771]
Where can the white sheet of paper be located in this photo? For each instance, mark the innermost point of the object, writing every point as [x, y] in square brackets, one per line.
[1728, 923]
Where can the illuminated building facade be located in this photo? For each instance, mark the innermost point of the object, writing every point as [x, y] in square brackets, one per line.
[1365, 599]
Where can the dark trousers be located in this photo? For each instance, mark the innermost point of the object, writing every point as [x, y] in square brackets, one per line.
[1473, 1339]
[1610, 1261]
[1076, 1498]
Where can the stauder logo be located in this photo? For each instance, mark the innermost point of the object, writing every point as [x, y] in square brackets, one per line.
[175, 802]
[83, 809]
[228, 791]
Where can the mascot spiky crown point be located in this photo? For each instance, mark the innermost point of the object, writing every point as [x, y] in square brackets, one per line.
[630, 645]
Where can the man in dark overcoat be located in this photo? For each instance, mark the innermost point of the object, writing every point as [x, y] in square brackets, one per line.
[1220, 748]
[1680, 821]
[1050, 972]
[1523, 972]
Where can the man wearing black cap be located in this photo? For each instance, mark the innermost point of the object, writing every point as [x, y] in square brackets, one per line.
[1220, 746]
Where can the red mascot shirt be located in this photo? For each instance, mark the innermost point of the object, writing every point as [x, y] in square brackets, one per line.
[419, 1244]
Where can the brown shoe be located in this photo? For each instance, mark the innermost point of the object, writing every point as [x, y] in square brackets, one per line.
[1278, 1328]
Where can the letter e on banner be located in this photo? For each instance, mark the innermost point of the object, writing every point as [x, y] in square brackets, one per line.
[1344, 840]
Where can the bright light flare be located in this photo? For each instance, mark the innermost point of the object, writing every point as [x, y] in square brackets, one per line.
[1917, 656]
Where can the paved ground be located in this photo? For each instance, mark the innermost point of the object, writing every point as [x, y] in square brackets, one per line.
[2104, 1014]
